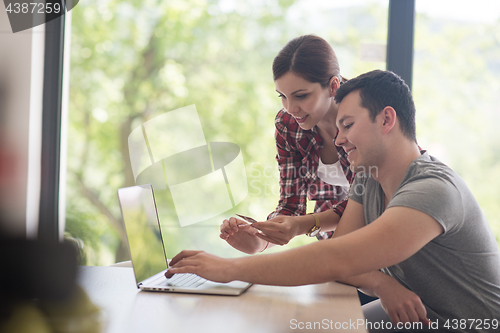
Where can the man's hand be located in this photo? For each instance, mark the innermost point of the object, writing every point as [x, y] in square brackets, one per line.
[203, 264]
[241, 235]
[401, 304]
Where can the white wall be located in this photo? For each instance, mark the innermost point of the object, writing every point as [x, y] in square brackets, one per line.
[17, 89]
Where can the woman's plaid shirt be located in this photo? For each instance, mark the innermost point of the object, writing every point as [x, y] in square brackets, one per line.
[298, 158]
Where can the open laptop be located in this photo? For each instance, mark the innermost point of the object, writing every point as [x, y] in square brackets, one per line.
[147, 251]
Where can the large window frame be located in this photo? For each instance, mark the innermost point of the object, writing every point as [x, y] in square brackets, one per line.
[48, 220]
[399, 60]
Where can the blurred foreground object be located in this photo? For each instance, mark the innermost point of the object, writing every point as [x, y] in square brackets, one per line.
[36, 269]
[38, 291]
[77, 314]
[25, 317]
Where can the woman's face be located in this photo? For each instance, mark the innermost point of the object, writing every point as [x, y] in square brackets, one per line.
[307, 102]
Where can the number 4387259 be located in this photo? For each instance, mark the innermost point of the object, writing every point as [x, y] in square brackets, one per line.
[33, 8]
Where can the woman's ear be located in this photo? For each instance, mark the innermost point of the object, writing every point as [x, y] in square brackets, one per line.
[334, 85]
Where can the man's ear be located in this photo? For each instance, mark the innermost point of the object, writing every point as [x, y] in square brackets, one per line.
[334, 85]
[389, 119]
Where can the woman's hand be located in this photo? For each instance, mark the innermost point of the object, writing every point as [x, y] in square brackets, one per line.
[253, 238]
[242, 236]
[279, 230]
[202, 264]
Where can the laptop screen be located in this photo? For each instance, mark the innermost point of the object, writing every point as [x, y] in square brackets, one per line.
[143, 230]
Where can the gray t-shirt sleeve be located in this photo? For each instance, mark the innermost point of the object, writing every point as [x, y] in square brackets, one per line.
[437, 197]
[358, 188]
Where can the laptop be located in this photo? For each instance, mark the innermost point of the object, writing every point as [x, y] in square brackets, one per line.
[147, 250]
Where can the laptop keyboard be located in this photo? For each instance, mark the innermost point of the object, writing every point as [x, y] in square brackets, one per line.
[185, 280]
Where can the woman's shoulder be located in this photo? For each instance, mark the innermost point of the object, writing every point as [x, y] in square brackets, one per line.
[288, 131]
[286, 125]
[283, 118]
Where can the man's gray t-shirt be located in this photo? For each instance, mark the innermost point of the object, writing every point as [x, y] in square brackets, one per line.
[457, 274]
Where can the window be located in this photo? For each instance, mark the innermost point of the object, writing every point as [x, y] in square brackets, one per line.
[133, 61]
[457, 92]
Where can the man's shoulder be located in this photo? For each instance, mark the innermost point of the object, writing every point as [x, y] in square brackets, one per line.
[364, 186]
[430, 169]
[433, 188]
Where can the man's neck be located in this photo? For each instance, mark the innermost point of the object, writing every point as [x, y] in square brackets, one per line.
[392, 171]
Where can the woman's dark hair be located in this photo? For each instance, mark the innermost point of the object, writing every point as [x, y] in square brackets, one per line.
[310, 57]
[378, 89]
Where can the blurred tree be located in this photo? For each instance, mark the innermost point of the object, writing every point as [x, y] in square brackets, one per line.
[134, 60]
[457, 93]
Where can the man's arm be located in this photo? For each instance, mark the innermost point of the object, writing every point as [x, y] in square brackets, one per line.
[395, 236]
[400, 303]
[352, 220]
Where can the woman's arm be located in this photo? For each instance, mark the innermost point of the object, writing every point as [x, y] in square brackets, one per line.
[293, 191]
[281, 229]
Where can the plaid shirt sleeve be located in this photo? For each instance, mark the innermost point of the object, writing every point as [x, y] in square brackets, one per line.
[293, 196]
[297, 157]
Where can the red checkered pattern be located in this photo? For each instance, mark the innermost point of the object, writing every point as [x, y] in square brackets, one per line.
[298, 158]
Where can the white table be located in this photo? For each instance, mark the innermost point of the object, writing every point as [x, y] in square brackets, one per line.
[261, 309]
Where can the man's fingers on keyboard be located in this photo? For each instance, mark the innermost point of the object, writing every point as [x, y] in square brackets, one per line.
[183, 269]
[182, 255]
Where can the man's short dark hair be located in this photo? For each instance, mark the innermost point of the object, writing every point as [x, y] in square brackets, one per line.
[379, 89]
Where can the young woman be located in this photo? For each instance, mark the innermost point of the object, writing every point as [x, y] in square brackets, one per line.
[306, 75]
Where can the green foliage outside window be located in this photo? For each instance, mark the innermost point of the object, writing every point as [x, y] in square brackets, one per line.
[134, 60]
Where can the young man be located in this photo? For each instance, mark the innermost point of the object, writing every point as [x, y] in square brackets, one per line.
[408, 215]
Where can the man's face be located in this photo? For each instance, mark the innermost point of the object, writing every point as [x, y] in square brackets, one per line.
[358, 135]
